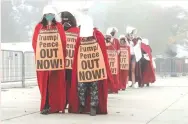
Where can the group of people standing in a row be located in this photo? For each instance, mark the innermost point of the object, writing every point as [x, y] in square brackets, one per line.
[78, 66]
[139, 62]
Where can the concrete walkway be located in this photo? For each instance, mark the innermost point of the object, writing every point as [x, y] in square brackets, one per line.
[165, 102]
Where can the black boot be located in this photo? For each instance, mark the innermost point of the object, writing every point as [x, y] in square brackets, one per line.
[81, 109]
[147, 85]
[93, 111]
[45, 111]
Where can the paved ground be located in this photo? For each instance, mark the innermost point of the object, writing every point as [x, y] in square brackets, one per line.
[166, 102]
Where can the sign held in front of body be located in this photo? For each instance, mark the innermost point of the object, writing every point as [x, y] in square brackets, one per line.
[91, 65]
[49, 52]
[113, 61]
[124, 59]
[70, 47]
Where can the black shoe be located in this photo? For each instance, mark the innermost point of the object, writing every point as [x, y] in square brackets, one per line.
[147, 85]
[93, 111]
[45, 111]
[81, 109]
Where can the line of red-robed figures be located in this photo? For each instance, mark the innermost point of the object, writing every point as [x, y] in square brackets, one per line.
[142, 70]
[57, 90]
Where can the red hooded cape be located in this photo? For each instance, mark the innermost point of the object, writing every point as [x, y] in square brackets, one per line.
[124, 74]
[144, 74]
[102, 85]
[148, 71]
[116, 86]
[75, 30]
[53, 81]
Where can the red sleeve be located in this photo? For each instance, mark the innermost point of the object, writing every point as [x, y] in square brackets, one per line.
[101, 41]
[74, 72]
[129, 54]
[35, 36]
[118, 44]
[74, 30]
[63, 37]
[74, 101]
[146, 48]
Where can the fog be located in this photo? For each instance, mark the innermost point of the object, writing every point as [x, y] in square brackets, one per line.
[165, 24]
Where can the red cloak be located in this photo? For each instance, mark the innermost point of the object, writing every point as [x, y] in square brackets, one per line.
[144, 74]
[115, 46]
[53, 81]
[102, 85]
[74, 30]
[148, 71]
[124, 74]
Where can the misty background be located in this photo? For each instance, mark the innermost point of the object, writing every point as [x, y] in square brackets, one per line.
[163, 24]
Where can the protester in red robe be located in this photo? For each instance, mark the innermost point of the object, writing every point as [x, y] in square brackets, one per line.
[147, 66]
[51, 83]
[112, 45]
[141, 70]
[90, 96]
[72, 31]
[124, 62]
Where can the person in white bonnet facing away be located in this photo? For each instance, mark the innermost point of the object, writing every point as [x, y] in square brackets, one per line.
[147, 65]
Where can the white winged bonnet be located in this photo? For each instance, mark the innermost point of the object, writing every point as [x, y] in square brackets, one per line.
[110, 30]
[49, 9]
[131, 30]
[145, 41]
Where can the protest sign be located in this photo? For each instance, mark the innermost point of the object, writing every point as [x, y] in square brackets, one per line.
[91, 65]
[113, 61]
[124, 59]
[49, 52]
[70, 47]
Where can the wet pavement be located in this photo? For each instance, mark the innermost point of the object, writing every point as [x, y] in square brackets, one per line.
[165, 102]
